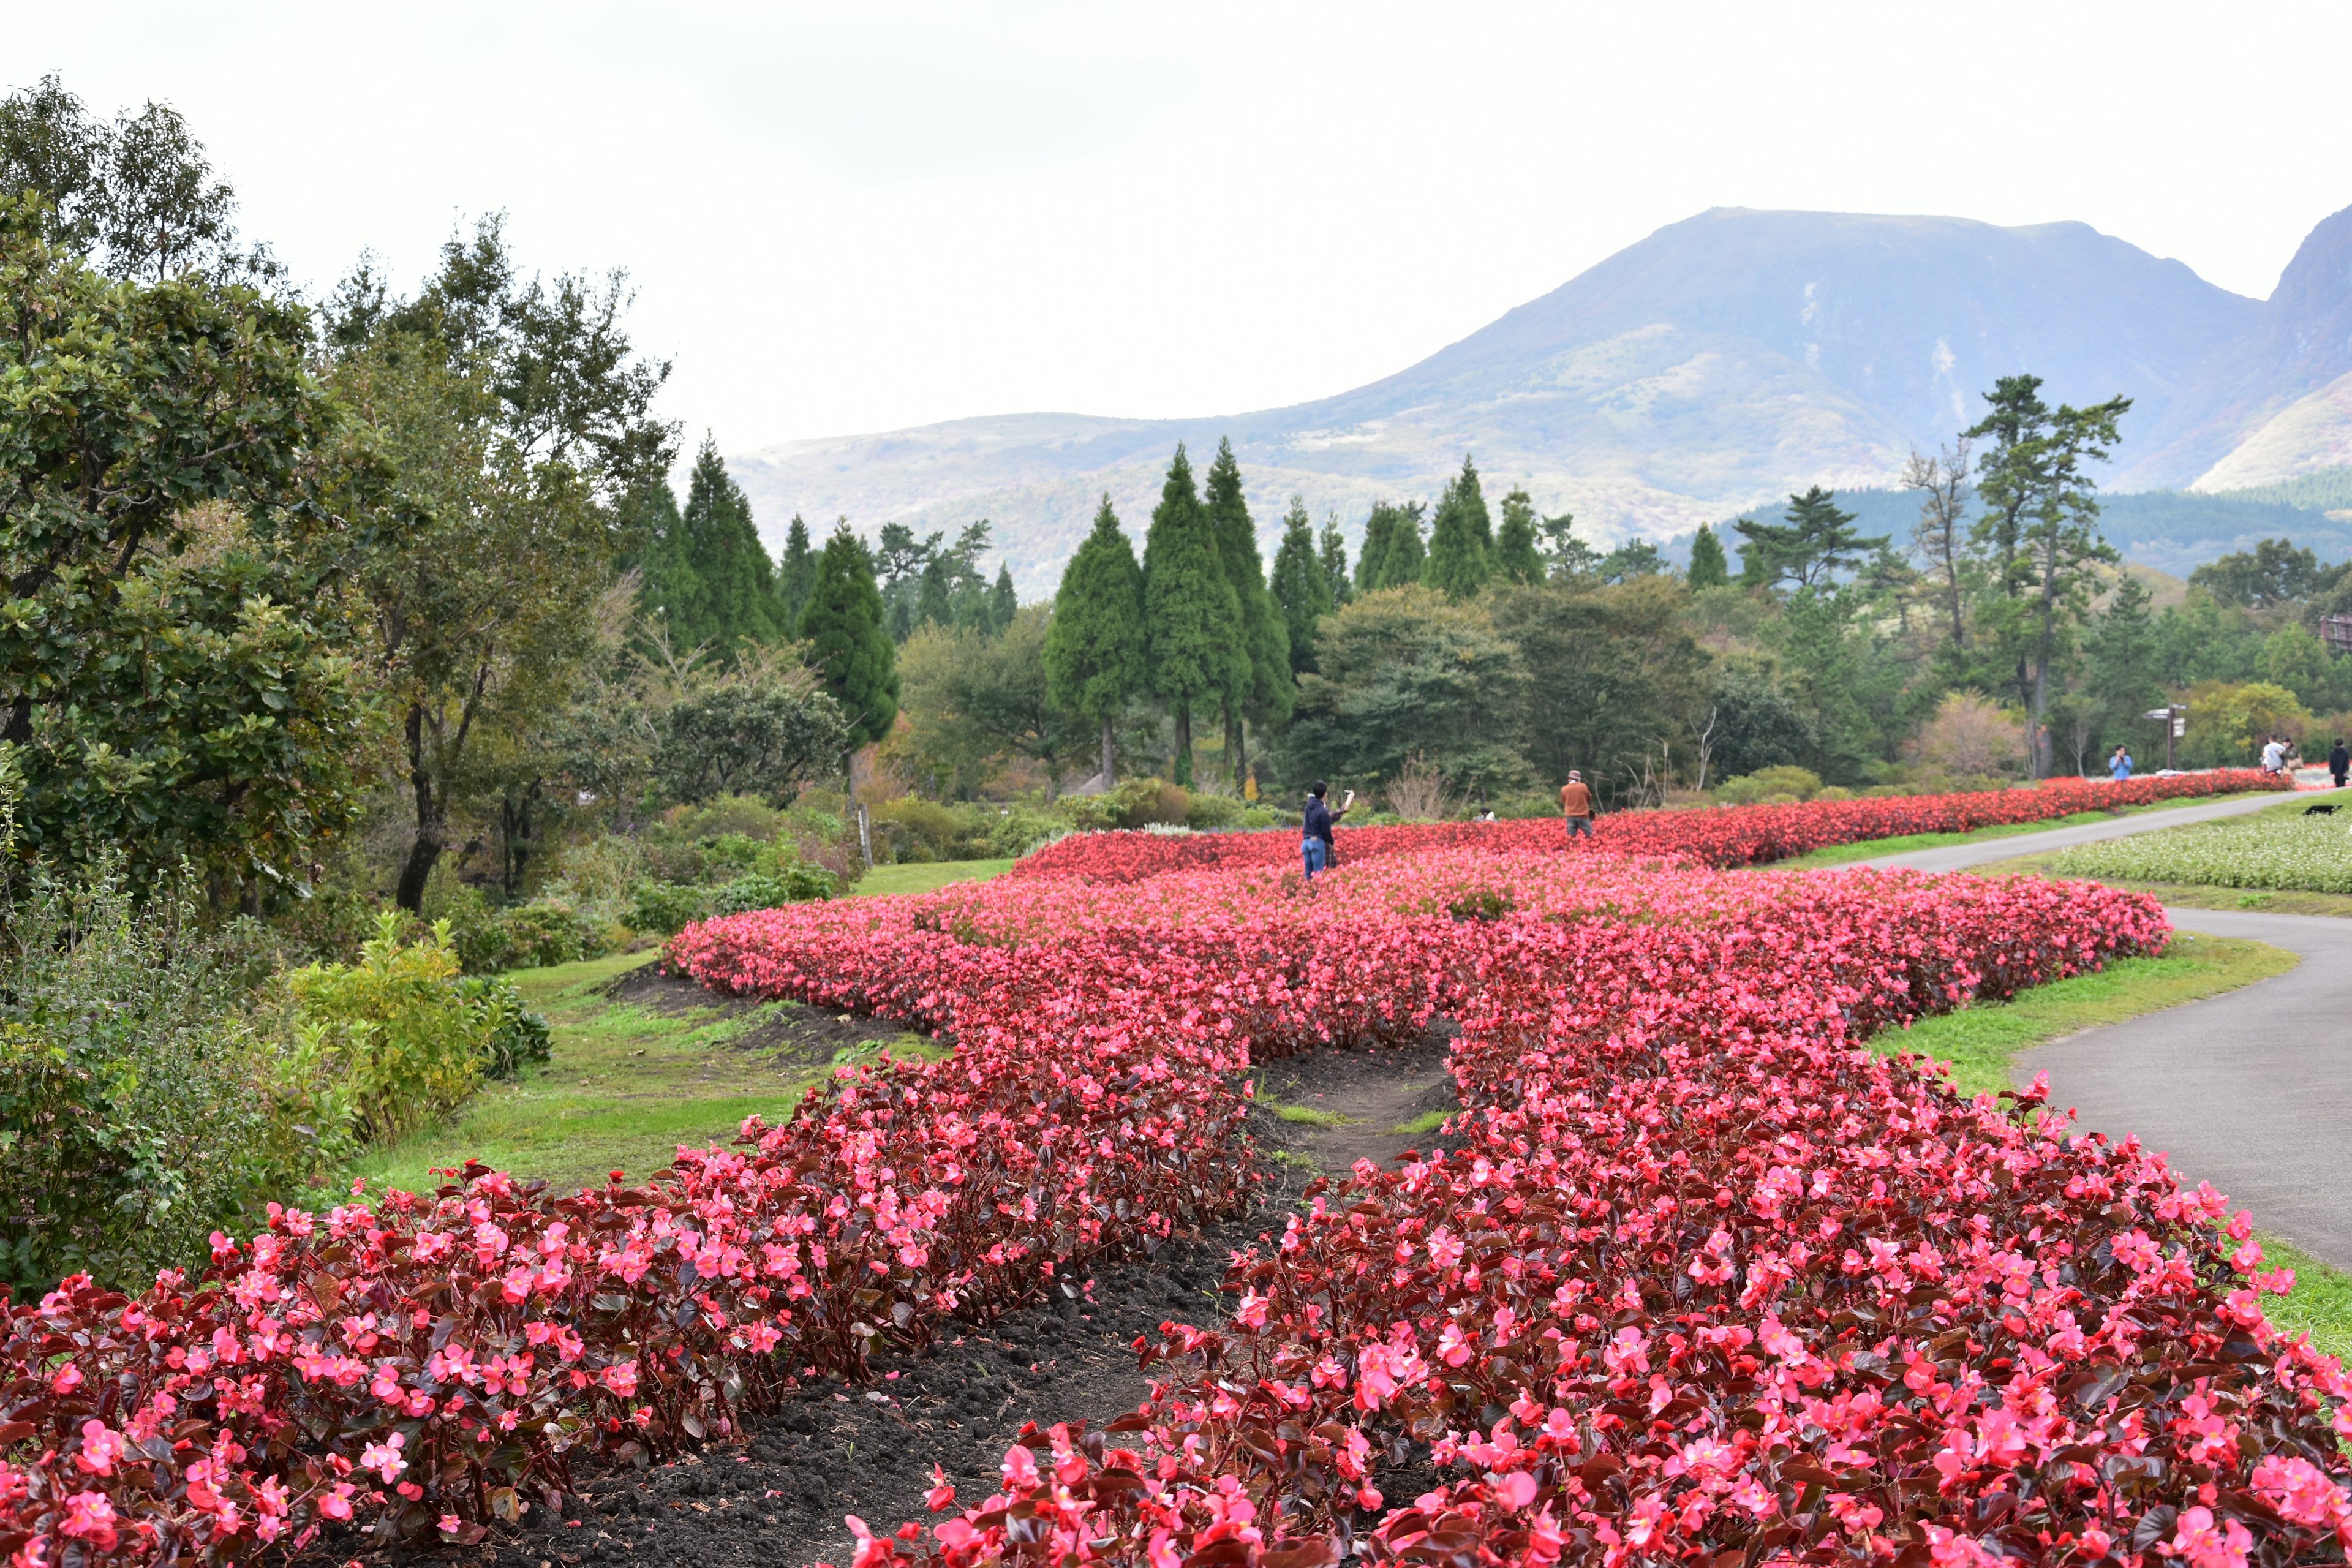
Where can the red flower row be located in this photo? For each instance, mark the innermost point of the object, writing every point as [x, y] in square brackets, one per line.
[1723, 837]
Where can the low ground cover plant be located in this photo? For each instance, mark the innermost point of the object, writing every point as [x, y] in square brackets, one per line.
[2312, 854]
[1705, 1272]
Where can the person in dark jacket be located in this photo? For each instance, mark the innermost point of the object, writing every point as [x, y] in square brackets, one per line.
[2339, 762]
[1317, 844]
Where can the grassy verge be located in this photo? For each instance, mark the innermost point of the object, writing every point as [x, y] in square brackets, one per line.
[1981, 1043]
[2189, 896]
[924, 877]
[626, 1085]
[1870, 849]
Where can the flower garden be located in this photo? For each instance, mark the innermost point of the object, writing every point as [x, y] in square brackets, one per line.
[1694, 1277]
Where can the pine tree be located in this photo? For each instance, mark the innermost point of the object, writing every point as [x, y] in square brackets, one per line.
[1708, 569]
[1461, 542]
[1263, 683]
[1812, 542]
[1093, 644]
[1191, 619]
[795, 576]
[1393, 547]
[668, 588]
[1517, 557]
[1002, 604]
[935, 601]
[848, 646]
[1301, 588]
[1331, 554]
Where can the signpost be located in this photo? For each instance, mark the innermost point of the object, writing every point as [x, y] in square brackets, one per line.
[2174, 717]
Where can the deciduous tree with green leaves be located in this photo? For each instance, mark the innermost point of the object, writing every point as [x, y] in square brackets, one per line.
[1192, 617]
[1094, 650]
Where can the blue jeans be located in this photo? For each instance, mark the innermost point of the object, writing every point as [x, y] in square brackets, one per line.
[1318, 854]
[1577, 824]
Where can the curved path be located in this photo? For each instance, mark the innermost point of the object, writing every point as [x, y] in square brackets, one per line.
[2250, 1089]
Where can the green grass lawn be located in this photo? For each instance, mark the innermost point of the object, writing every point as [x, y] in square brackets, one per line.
[1981, 1043]
[624, 1085]
[924, 877]
[1871, 848]
[2193, 895]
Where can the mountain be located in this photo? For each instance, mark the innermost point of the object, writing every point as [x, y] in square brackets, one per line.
[1710, 368]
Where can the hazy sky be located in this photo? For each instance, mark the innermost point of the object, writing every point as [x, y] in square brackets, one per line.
[858, 217]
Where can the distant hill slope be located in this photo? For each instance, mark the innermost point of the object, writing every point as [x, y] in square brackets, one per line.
[1712, 367]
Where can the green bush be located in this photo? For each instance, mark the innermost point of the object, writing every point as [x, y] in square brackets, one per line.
[393, 1036]
[516, 1035]
[1213, 811]
[1138, 803]
[147, 1096]
[1775, 784]
[1020, 828]
[911, 831]
[666, 908]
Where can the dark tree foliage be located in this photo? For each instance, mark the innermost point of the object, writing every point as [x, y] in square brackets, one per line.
[1612, 675]
[1708, 567]
[706, 575]
[1461, 545]
[1393, 551]
[1809, 547]
[1192, 617]
[1634, 558]
[763, 736]
[2275, 572]
[848, 647]
[1095, 642]
[795, 576]
[1756, 724]
[1263, 686]
[135, 197]
[1331, 554]
[1300, 587]
[1002, 602]
[1518, 557]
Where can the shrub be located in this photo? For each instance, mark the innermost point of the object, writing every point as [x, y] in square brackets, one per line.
[1780, 783]
[1138, 803]
[395, 1033]
[145, 1097]
[514, 1034]
[665, 909]
[1019, 829]
[1215, 811]
[911, 830]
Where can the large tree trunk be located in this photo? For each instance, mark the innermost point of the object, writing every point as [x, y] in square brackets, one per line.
[431, 821]
[1110, 759]
[1184, 764]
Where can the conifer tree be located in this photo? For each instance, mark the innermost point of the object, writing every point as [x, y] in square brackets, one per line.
[1262, 685]
[795, 576]
[848, 646]
[1708, 568]
[1393, 547]
[935, 600]
[1301, 587]
[1093, 644]
[1517, 559]
[1332, 556]
[710, 578]
[1191, 619]
[1002, 602]
[1460, 539]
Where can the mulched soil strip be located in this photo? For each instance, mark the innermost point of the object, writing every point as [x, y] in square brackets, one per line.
[799, 1035]
[868, 1449]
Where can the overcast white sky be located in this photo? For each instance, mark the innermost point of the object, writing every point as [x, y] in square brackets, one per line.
[864, 217]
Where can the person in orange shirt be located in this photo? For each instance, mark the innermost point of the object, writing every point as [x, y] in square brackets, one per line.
[1576, 804]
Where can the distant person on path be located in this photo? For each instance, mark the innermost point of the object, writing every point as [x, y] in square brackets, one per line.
[2119, 766]
[1317, 844]
[2273, 754]
[1576, 804]
[2339, 762]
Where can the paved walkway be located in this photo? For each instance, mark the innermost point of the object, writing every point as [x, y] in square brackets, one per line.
[2003, 847]
[2251, 1090]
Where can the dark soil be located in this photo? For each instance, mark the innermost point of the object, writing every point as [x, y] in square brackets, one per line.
[796, 1035]
[869, 1449]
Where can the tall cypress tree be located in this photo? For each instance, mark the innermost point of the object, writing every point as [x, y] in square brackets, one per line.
[1517, 557]
[1263, 684]
[711, 580]
[1093, 644]
[935, 601]
[668, 588]
[1708, 567]
[1331, 554]
[1393, 554]
[1300, 587]
[1002, 602]
[1461, 542]
[848, 646]
[1192, 618]
[795, 575]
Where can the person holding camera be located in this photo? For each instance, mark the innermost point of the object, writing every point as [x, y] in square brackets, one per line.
[1317, 844]
[1576, 804]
